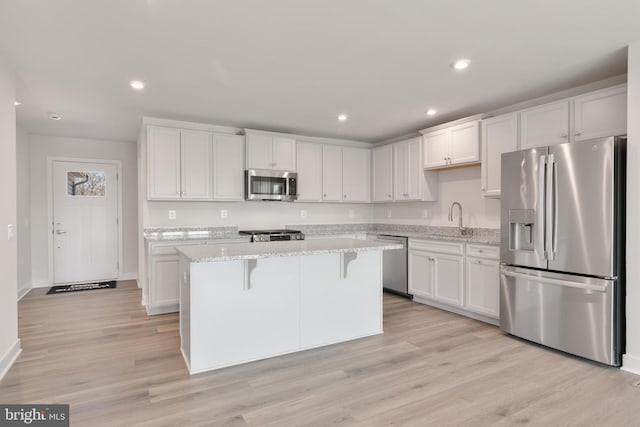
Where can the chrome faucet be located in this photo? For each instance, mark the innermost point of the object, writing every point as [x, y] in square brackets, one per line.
[463, 231]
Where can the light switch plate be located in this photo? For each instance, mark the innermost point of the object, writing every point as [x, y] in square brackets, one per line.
[11, 232]
[223, 213]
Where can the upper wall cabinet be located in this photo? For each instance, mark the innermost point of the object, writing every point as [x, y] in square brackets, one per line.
[452, 146]
[179, 164]
[228, 167]
[407, 170]
[600, 113]
[382, 173]
[345, 174]
[309, 160]
[546, 124]
[270, 152]
[592, 115]
[499, 135]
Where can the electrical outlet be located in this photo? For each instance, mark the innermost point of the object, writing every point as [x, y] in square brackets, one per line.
[172, 214]
[388, 213]
[303, 213]
[223, 213]
[11, 232]
[352, 213]
[425, 213]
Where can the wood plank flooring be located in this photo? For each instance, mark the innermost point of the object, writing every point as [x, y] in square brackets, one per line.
[101, 353]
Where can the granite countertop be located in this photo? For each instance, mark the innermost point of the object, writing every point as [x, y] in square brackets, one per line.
[238, 251]
[170, 234]
[487, 236]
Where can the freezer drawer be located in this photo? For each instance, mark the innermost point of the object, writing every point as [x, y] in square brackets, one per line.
[571, 313]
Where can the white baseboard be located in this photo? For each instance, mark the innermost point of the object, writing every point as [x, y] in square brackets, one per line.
[41, 283]
[128, 276]
[9, 358]
[23, 290]
[631, 364]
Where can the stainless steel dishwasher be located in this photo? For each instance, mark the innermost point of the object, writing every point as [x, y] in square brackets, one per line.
[395, 266]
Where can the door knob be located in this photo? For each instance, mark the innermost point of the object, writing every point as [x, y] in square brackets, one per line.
[61, 232]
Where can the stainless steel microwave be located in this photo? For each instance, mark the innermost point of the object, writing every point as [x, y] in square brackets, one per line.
[266, 184]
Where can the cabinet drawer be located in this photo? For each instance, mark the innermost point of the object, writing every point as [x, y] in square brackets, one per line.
[483, 251]
[437, 246]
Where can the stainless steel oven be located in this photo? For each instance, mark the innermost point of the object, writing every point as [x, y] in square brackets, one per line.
[266, 184]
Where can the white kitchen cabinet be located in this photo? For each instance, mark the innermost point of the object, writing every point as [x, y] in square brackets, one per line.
[499, 135]
[331, 173]
[452, 146]
[420, 274]
[271, 152]
[309, 160]
[356, 174]
[407, 170]
[163, 163]
[546, 124]
[448, 273]
[600, 113]
[228, 167]
[382, 173]
[483, 286]
[195, 165]
[179, 164]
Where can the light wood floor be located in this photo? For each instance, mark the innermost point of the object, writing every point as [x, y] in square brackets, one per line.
[99, 352]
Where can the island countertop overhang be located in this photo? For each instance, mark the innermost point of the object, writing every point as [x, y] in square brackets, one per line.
[239, 251]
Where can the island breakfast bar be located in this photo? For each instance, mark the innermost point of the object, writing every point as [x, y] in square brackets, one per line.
[241, 302]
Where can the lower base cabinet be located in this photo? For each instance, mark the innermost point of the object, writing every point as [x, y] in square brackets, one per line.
[461, 277]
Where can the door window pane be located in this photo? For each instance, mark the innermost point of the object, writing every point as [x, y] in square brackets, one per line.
[86, 183]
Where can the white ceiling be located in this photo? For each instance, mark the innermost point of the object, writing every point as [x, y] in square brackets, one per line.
[292, 66]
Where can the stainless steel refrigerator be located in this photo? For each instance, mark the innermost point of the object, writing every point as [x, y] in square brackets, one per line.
[562, 247]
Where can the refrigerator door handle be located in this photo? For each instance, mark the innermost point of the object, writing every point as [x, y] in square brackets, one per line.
[549, 208]
[542, 170]
[558, 282]
[555, 208]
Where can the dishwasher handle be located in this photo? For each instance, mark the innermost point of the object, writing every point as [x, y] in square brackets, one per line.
[394, 239]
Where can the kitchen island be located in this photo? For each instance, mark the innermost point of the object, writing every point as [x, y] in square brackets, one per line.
[241, 302]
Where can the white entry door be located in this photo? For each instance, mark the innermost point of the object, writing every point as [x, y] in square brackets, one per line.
[85, 222]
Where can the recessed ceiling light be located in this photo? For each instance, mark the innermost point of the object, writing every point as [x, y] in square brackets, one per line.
[137, 84]
[461, 64]
[431, 112]
[343, 117]
[54, 116]
[16, 103]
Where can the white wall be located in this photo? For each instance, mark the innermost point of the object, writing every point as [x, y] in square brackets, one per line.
[24, 211]
[461, 185]
[9, 343]
[631, 360]
[41, 148]
[254, 215]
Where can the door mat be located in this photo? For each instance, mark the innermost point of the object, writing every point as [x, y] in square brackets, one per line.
[81, 287]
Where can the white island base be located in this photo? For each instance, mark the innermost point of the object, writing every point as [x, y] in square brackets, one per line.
[240, 310]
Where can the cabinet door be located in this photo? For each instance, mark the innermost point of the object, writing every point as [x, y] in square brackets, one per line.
[163, 163]
[420, 274]
[228, 167]
[600, 113]
[164, 286]
[415, 172]
[465, 143]
[448, 273]
[547, 124]
[483, 287]
[436, 149]
[499, 135]
[383, 173]
[400, 171]
[195, 156]
[331, 173]
[284, 154]
[356, 174]
[259, 151]
[310, 171]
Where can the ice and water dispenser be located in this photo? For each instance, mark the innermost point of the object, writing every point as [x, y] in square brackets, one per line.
[522, 229]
